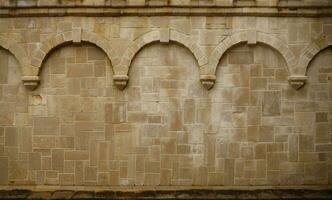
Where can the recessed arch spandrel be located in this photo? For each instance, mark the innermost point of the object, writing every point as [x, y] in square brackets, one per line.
[74, 36]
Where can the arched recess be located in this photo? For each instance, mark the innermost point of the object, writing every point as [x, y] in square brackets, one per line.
[74, 36]
[252, 38]
[162, 35]
[311, 51]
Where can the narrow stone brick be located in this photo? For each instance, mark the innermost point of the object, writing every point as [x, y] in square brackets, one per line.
[4, 170]
[58, 159]
[11, 136]
[271, 103]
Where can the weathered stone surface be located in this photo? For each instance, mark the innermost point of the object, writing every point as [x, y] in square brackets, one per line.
[164, 128]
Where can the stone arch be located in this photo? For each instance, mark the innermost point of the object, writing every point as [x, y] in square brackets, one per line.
[250, 37]
[162, 35]
[311, 51]
[74, 36]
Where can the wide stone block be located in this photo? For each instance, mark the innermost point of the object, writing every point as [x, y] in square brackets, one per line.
[315, 173]
[43, 142]
[79, 70]
[76, 155]
[46, 126]
[240, 57]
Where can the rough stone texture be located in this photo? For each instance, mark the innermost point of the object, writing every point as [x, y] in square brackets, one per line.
[165, 129]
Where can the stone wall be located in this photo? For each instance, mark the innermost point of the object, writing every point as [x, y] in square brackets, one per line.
[165, 100]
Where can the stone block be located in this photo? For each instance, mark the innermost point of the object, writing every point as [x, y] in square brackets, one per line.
[271, 103]
[293, 148]
[189, 114]
[315, 173]
[306, 143]
[3, 68]
[79, 70]
[58, 159]
[76, 155]
[46, 126]
[6, 114]
[152, 167]
[229, 171]
[260, 151]
[34, 161]
[95, 54]
[175, 120]
[11, 136]
[266, 134]
[17, 169]
[305, 122]
[66, 179]
[241, 96]
[322, 132]
[4, 170]
[240, 57]
[90, 173]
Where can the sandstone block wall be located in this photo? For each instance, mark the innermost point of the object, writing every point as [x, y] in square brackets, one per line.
[163, 99]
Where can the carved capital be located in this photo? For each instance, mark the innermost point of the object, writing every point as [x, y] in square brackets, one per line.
[297, 81]
[208, 81]
[120, 81]
[31, 82]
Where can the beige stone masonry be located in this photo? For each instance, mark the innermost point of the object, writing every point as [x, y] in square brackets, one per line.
[165, 94]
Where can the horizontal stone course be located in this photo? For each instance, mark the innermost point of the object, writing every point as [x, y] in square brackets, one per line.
[170, 194]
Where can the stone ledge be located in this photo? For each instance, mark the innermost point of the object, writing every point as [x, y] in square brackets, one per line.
[133, 3]
[171, 194]
[166, 11]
